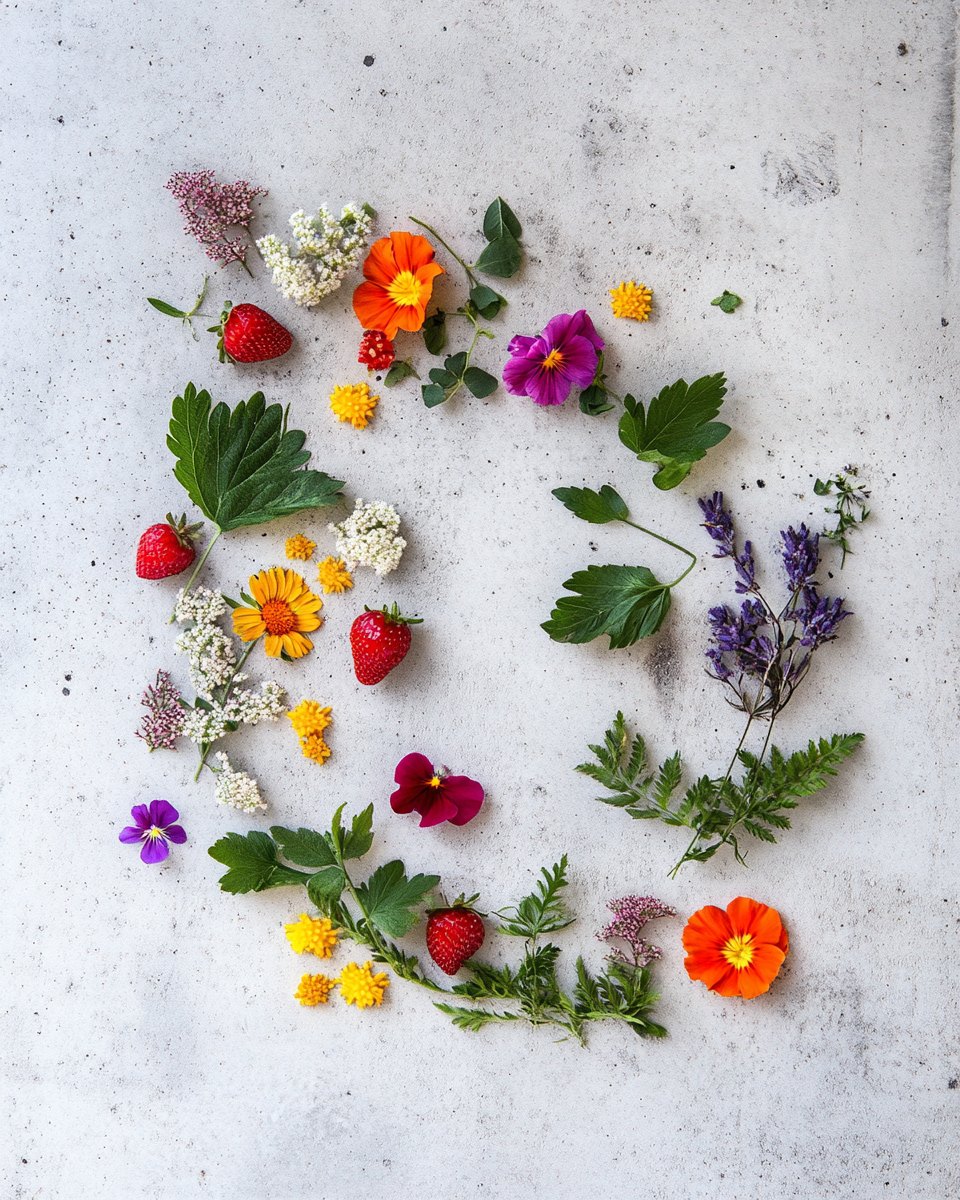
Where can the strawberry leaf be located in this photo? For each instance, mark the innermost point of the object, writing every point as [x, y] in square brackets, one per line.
[305, 848]
[388, 897]
[253, 863]
[240, 467]
[677, 429]
[628, 603]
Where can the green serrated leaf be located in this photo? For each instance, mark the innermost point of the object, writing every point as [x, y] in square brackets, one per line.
[596, 507]
[358, 840]
[240, 467]
[480, 383]
[594, 401]
[398, 372]
[500, 219]
[253, 863]
[628, 603]
[304, 847]
[501, 257]
[486, 301]
[388, 897]
[167, 309]
[435, 332]
[433, 394]
[678, 428]
[728, 302]
[326, 885]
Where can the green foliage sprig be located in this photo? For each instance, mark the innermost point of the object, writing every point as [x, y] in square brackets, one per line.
[242, 466]
[718, 811]
[850, 496]
[627, 603]
[677, 429]
[501, 258]
[384, 907]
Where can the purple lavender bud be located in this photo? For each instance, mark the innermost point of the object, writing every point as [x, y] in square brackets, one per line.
[820, 623]
[718, 523]
[801, 556]
[745, 569]
[720, 670]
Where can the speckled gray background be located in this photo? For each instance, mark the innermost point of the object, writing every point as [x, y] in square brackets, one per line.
[784, 150]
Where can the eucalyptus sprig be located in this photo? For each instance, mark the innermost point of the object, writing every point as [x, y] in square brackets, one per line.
[850, 496]
[384, 907]
[501, 257]
[628, 603]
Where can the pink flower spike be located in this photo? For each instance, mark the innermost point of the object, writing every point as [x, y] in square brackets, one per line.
[435, 795]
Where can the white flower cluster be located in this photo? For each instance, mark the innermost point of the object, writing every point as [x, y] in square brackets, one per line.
[368, 537]
[208, 649]
[237, 789]
[204, 726]
[328, 249]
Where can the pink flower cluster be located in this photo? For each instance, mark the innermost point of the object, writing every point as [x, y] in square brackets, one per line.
[210, 208]
[163, 722]
[631, 913]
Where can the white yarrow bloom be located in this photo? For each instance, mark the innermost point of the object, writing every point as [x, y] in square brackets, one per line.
[328, 249]
[211, 656]
[236, 789]
[200, 605]
[368, 537]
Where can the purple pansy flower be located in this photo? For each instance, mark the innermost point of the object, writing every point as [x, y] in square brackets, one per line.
[435, 794]
[547, 367]
[154, 826]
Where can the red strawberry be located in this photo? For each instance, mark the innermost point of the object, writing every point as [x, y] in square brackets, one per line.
[248, 334]
[454, 935]
[167, 549]
[376, 350]
[379, 639]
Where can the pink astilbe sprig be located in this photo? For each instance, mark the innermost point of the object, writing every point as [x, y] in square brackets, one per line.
[630, 914]
[210, 208]
[163, 722]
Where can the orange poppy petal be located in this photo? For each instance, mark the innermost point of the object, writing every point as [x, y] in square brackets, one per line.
[708, 966]
[380, 265]
[374, 309]
[749, 916]
[709, 926]
[763, 969]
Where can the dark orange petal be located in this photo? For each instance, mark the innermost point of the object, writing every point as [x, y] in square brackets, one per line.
[411, 251]
[374, 309]
[381, 264]
[709, 926]
[750, 916]
[713, 971]
[763, 969]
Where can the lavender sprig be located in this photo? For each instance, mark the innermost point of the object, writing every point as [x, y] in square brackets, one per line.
[163, 722]
[211, 208]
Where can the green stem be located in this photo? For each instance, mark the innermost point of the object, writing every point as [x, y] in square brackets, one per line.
[661, 538]
[196, 570]
[430, 228]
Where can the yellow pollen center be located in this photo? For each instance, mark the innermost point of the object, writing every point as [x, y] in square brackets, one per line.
[404, 289]
[154, 832]
[278, 617]
[738, 951]
[435, 781]
[553, 360]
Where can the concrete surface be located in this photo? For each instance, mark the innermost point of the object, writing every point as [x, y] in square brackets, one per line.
[785, 150]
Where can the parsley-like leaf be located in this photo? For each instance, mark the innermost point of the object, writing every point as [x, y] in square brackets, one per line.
[542, 911]
[305, 848]
[677, 429]
[388, 897]
[240, 467]
[628, 603]
[253, 863]
[596, 507]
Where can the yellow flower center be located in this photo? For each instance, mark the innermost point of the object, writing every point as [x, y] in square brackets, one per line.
[278, 617]
[435, 781]
[738, 950]
[404, 289]
[154, 832]
[553, 360]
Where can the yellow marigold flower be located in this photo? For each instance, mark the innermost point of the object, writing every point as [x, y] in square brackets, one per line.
[312, 935]
[285, 610]
[300, 547]
[359, 985]
[314, 989]
[334, 576]
[354, 403]
[313, 746]
[309, 717]
[631, 301]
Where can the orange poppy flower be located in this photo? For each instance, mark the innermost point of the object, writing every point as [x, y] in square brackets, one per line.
[737, 952]
[399, 273]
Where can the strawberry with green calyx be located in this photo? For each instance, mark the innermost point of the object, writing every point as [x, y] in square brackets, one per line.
[168, 549]
[379, 639]
[249, 335]
[454, 934]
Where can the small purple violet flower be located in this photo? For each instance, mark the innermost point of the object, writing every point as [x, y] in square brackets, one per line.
[548, 367]
[631, 913]
[154, 827]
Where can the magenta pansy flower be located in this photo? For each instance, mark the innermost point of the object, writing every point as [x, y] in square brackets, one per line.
[154, 827]
[435, 794]
[563, 357]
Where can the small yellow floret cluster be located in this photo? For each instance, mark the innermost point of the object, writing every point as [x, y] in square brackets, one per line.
[314, 989]
[628, 300]
[354, 403]
[359, 985]
[309, 721]
[300, 547]
[312, 935]
[334, 576]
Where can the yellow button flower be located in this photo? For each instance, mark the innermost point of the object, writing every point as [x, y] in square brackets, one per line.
[334, 576]
[628, 300]
[314, 989]
[354, 403]
[312, 935]
[300, 547]
[359, 985]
